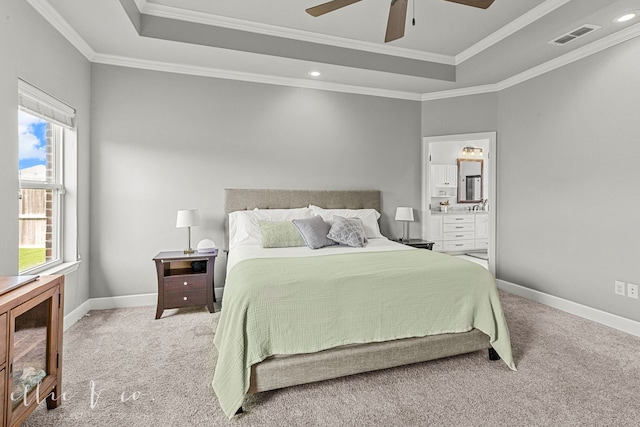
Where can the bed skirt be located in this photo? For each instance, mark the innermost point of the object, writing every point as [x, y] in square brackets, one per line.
[288, 370]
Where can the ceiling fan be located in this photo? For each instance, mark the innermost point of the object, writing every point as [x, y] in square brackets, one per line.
[397, 13]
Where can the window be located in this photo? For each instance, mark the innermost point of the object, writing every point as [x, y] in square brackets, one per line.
[43, 125]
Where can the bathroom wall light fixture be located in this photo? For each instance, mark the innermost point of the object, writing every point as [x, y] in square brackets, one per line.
[472, 151]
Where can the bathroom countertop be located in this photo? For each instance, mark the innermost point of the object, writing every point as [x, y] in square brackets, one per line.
[458, 212]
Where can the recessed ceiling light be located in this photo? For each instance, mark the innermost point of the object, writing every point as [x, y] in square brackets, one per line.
[627, 16]
[315, 73]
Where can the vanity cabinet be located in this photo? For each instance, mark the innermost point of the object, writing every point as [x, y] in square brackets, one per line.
[459, 232]
[482, 231]
[443, 179]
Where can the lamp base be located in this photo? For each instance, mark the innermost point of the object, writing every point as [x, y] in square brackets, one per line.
[405, 231]
[189, 251]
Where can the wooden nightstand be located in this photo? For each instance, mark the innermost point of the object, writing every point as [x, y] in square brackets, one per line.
[185, 280]
[417, 243]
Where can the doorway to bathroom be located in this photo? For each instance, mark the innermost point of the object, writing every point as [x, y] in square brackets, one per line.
[459, 195]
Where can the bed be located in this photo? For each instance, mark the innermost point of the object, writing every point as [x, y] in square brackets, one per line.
[294, 315]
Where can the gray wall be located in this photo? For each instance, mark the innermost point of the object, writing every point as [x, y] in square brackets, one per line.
[568, 193]
[568, 150]
[162, 142]
[32, 50]
[468, 114]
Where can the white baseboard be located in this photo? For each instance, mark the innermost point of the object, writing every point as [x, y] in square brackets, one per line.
[123, 301]
[76, 314]
[617, 322]
[117, 302]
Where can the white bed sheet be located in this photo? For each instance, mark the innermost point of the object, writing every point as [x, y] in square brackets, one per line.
[241, 253]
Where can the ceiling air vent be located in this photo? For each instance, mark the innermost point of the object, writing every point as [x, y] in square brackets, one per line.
[572, 35]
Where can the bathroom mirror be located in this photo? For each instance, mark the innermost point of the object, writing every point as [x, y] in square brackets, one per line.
[470, 180]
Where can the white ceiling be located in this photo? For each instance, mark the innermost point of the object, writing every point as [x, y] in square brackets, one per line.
[452, 49]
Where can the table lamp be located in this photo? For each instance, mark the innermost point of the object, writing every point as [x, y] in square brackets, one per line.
[404, 214]
[188, 218]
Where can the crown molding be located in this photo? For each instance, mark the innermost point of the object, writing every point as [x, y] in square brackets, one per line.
[516, 25]
[60, 24]
[168, 67]
[44, 8]
[168, 12]
[455, 93]
[573, 56]
[141, 4]
[566, 59]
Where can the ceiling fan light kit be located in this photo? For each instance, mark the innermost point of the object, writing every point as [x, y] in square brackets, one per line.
[397, 13]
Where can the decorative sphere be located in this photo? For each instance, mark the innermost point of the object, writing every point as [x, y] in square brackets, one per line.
[206, 245]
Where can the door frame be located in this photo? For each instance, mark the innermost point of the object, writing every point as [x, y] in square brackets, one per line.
[493, 187]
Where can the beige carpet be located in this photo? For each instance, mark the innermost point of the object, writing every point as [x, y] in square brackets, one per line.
[571, 372]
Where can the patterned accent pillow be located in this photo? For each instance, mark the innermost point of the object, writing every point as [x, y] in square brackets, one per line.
[314, 231]
[348, 231]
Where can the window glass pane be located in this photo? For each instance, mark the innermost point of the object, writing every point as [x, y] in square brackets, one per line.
[36, 148]
[36, 227]
[39, 190]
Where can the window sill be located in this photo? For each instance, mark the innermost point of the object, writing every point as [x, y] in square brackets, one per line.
[64, 268]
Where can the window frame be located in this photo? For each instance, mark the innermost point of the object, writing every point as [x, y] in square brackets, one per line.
[57, 187]
[61, 118]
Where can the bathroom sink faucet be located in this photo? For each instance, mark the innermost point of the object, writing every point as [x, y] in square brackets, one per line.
[476, 208]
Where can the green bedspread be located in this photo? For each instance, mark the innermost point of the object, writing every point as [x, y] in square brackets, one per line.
[307, 304]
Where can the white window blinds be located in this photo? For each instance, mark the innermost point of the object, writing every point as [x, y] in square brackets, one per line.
[34, 101]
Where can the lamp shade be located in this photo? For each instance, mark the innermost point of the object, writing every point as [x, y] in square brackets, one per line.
[188, 218]
[404, 214]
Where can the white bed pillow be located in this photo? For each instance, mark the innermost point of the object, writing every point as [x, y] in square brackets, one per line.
[244, 226]
[369, 218]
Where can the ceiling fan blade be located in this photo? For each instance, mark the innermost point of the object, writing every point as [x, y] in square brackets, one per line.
[482, 4]
[329, 6]
[397, 19]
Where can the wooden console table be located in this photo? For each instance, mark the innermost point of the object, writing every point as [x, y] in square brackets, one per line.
[31, 317]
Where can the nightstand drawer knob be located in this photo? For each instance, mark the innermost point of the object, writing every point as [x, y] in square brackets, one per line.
[185, 283]
[185, 298]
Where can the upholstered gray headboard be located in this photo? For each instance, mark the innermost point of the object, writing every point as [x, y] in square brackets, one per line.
[247, 199]
[244, 199]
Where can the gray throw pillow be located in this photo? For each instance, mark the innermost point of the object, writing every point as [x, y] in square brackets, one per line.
[348, 231]
[314, 232]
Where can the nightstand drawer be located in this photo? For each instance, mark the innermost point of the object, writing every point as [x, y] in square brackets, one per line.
[185, 283]
[185, 299]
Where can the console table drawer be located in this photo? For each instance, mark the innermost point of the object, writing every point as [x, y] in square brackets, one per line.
[185, 283]
[185, 299]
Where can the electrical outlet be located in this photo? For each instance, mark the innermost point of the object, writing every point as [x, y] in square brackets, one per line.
[619, 289]
[632, 290]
